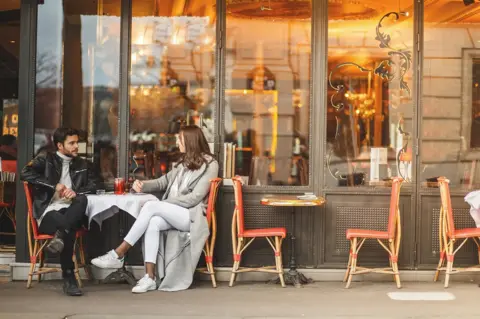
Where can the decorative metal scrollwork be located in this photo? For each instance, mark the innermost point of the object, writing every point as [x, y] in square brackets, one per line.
[392, 69]
[384, 69]
[403, 152]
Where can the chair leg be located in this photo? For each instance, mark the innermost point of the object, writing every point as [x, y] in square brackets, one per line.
[347, 272]
[354, 262]
[233, 277]
[478, 248]
[212, 275]
[440, 265]
[33, 263]
[394, 263]
[83, 262]
[210, 269]
[76, 271]
[236, 263]
[450, 258]
[41, 258]
[397, 275]
[278, 260]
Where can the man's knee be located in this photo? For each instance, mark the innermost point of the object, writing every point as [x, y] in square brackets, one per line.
[69, 239]
[81, 200]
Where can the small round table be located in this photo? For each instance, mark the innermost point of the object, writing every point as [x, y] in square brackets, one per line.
[293, 276]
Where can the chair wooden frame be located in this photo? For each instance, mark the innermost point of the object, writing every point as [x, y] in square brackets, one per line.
[389, 240]
[241, 239]
[209, 248]
[37, 242]
[8, 208]
[448, 236]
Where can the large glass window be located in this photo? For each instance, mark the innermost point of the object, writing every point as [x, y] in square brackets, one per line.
[451, 95]
[77, 77]
[9, 65]
[267, 91]
[370, 101]
[172, 79]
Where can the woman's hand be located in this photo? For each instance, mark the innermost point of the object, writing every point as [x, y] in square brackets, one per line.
[137, 186]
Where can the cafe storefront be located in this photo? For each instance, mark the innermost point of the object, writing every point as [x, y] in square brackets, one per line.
[333, 97]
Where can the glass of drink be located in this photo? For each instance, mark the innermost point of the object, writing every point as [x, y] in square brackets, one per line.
[119, 186]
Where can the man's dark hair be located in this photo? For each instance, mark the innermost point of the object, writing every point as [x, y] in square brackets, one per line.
[61, 134]
[8, 140]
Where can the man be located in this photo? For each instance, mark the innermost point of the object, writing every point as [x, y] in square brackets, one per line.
[60, 182]
[8, 147]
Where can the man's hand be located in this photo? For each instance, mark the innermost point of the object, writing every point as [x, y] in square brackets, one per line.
[60, 189]
[137, 186]
[69, 194]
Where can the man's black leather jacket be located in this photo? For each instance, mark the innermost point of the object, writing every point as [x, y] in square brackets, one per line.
[44, 172]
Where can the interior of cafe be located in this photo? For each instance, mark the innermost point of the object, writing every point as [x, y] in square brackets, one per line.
[9, 66]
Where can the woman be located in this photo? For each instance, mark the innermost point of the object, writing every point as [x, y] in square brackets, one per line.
[182, 208]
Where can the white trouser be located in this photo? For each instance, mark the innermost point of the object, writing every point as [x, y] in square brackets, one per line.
[154, 217]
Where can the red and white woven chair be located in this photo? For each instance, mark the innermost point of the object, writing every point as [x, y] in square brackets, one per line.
[37, 242]
[389, 240]
[212, 225]
[242, 238]
[449, 235]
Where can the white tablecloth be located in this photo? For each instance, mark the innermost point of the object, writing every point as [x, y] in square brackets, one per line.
[101, 207]
[473, 199]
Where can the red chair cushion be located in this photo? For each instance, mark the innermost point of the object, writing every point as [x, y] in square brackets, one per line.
[265, 232]
[365, 233]
[43, 237]
[3, 204]
[80, 233]
[467, 233]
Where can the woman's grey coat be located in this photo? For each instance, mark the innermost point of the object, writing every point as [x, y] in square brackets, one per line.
[179, 252]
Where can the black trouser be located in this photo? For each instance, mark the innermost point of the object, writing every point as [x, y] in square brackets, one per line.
[70, 219]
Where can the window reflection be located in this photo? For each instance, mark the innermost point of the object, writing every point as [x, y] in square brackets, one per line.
[450, 120]
[172, 79]
[369, 106]
[267, 91]
[77, 77]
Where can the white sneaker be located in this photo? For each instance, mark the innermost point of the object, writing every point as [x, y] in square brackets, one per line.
[145, 284]
[109, 260]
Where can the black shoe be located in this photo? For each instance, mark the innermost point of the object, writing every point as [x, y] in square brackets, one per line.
[55, 246]
[70, 286]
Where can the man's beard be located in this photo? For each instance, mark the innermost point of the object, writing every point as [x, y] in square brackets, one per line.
[70, 154]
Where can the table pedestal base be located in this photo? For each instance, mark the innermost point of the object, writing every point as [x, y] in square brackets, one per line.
[120, 276]
[295, 278]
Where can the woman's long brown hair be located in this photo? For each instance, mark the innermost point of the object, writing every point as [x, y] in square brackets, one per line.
[196, 147]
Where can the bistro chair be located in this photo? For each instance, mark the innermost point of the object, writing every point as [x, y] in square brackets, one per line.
[449, 235]
[37, 242]
[242, 238]
[212, 226]
[389, 240]
[7, 200]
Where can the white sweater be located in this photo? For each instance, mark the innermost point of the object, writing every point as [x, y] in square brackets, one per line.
[57, 203]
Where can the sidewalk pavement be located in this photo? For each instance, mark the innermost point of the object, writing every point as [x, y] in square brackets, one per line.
[245, 300]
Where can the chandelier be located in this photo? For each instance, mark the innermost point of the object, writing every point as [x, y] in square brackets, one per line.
[300, 9]
[270, 9]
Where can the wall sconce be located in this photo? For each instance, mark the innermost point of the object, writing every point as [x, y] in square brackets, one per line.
[179, 35]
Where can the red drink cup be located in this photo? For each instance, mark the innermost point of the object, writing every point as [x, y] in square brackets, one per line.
[119, 186]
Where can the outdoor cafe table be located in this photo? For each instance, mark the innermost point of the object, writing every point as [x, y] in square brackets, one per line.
[473, 199]
[102, 207]
[293, 276]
